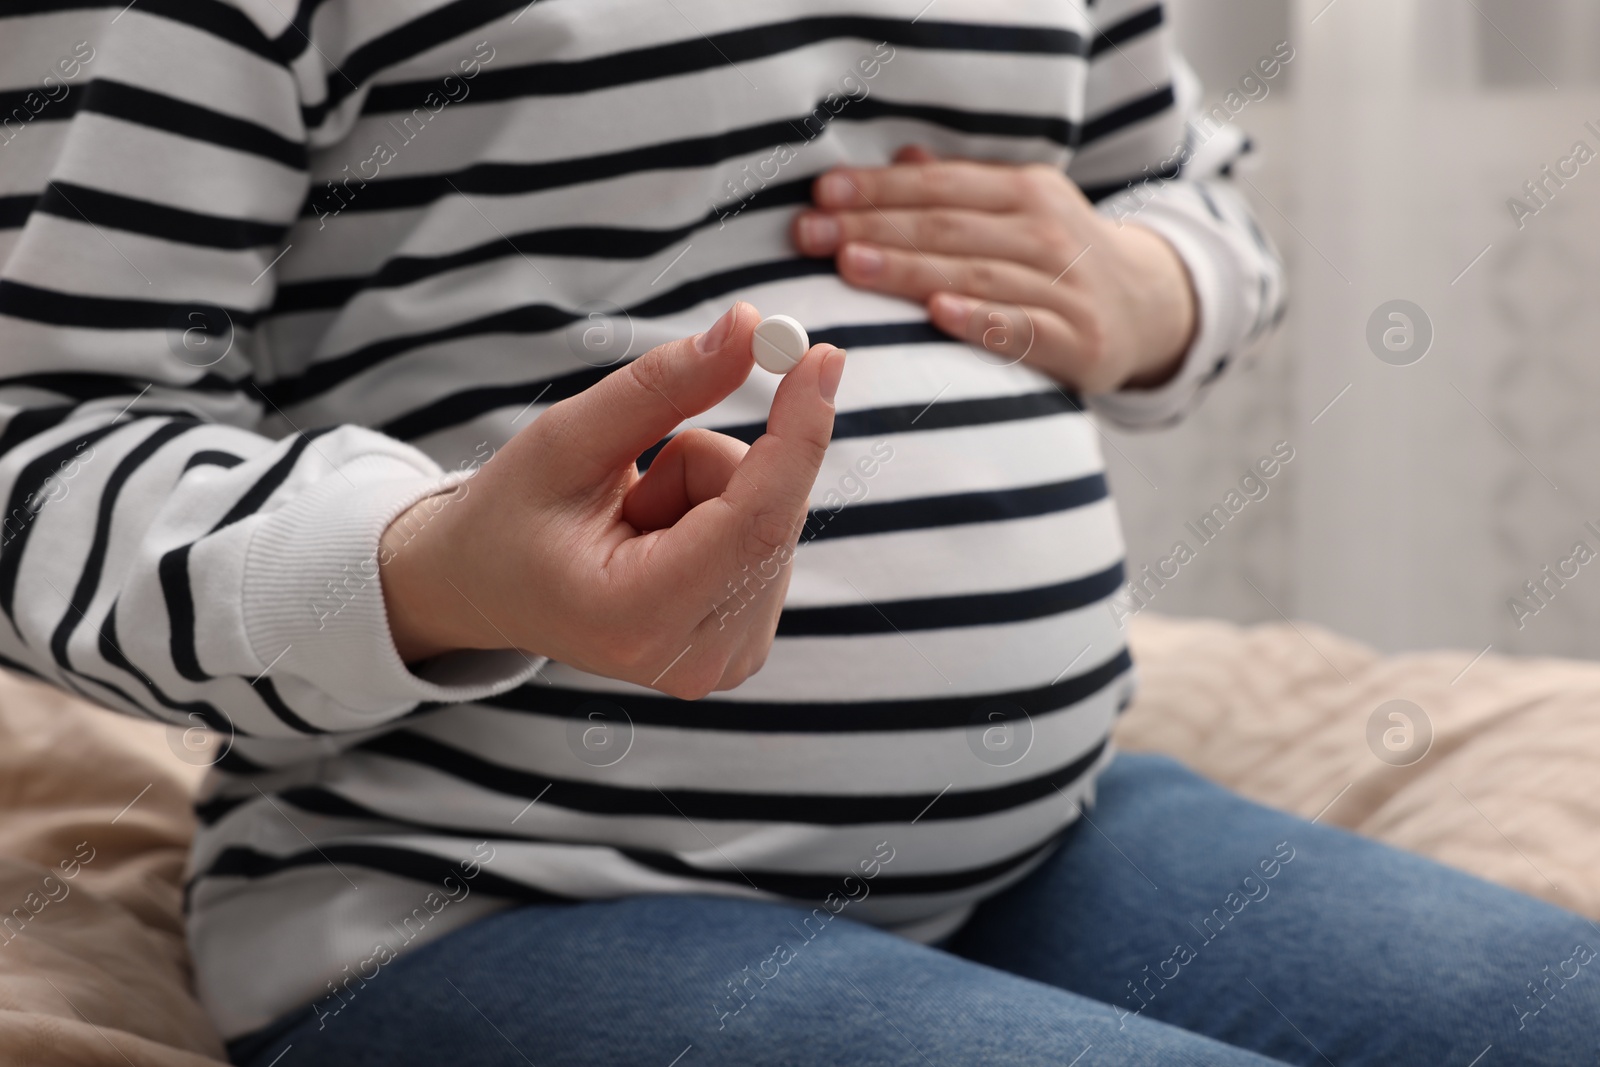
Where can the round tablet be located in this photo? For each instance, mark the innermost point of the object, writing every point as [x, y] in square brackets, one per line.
[779, 344]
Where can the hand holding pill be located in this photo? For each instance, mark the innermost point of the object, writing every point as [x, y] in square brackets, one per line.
[564, 548]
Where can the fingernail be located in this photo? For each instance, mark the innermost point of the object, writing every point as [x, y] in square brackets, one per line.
[836, 190]
[832, 371]
[819, 233]
[863, 260]
[954, 309]
[711, 342]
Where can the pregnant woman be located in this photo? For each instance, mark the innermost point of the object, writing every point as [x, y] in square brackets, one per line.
[340, 342]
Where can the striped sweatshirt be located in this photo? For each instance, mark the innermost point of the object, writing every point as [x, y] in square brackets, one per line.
[271, 273]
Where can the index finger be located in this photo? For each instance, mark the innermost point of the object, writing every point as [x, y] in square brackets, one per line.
[946, 182]
[610, 424]
[756, 521]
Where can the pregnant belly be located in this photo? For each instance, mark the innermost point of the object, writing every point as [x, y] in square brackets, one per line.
[945, 634]
[946, 662]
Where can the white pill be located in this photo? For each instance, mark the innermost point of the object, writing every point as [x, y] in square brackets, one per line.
[780, 343]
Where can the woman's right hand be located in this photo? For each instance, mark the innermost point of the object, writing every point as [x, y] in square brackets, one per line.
[559, 547]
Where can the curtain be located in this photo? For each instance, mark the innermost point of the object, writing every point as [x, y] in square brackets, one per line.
[1437, 499]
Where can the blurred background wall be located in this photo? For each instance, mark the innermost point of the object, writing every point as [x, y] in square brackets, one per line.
[1422, 497]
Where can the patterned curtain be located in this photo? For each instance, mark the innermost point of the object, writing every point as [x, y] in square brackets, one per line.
[1447, 462]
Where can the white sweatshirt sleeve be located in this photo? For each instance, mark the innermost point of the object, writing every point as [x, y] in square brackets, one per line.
[1181, 189]
[171, 546]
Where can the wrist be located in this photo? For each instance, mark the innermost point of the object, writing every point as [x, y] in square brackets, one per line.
[423, 605]
[1167, 309]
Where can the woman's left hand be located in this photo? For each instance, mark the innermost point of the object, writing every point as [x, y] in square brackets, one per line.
[1012, 258]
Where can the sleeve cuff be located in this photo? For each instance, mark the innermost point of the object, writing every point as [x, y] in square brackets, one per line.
[313, 601]
[1217, 333]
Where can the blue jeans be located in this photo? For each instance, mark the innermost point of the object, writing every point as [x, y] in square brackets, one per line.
[1184, 925]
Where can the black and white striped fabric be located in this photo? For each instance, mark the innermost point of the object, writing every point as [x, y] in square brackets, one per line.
[271, 274]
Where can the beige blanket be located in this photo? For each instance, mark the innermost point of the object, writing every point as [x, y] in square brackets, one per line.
[1279, 713]
[94, 827]
[94, 808]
